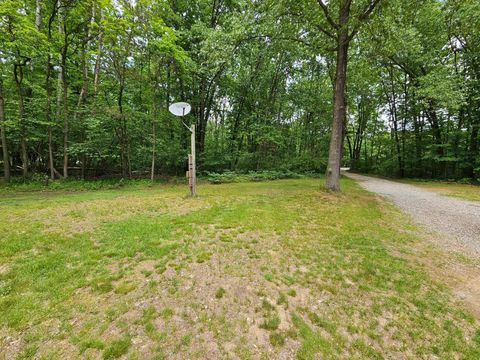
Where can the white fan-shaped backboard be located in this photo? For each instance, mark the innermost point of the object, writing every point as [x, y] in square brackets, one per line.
[180, 108]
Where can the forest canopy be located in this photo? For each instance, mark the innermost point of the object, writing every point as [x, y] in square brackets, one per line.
[85, 86]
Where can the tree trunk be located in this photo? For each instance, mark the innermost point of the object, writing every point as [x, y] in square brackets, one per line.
[48, 111]
[437, 135]
[394, 117]
[18, 74]
[154, 144]
[473, 150]
[154, 135]
[48, 108]
[96, 75]
[122, 131]
[38, 14]
[65, 103]
[339, 111]
[59, 109]
[418, 146]
[3, 136]
[96, 71]
[82, 98]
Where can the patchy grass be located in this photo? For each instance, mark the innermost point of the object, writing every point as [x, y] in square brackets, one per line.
[277, 339]
[117, 348]
[138, 272]
[271, 322]
[463, 191]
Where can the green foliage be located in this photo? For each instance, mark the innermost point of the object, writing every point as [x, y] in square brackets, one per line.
[40, 182]
[260, 84]
[232, 177]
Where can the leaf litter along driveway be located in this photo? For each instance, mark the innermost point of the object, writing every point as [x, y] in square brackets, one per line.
[458, 219]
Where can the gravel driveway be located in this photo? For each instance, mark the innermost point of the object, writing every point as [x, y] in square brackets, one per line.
[456, 218]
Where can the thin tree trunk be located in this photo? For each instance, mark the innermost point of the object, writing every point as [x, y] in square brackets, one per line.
[48, 108]
[98, 62]
[394, 116]
[38, 14]
[84, 90]
[418, 146]
[65, 106]
[3, 136]
[122, 130]
[154, 144]
[49, 117]
[437, 134]
[59, 109]
[62, 95]
[96, 71]
[473, 150]
[154, 134]
[18, 75]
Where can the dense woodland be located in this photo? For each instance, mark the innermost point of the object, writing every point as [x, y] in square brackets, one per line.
[85, 86]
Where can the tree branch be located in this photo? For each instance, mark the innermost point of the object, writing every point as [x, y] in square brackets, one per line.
[402, 66]
[326, 32]
[327, 15]
[368, 11]
[363, 17]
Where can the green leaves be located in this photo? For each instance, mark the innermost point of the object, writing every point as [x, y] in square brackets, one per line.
[443, 87]
[19, 40]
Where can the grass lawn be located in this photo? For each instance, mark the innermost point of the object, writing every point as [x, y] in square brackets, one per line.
[271, 270]
[463, 191]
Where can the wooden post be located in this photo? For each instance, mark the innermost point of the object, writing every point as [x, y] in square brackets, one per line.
[189, 174]
[193, 173]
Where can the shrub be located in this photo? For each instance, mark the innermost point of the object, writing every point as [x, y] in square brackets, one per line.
[232, 177]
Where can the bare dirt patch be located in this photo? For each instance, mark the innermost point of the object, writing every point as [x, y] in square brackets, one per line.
[4, 268]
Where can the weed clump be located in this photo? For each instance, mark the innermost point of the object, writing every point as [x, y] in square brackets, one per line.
[117, 348]
[267, 306]
[91, 344]
[277, 339]
[270, 323]
[292, 293]
[282, 299]
[166, 313]
[220, 292]
[204, 256]
[124, 288]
